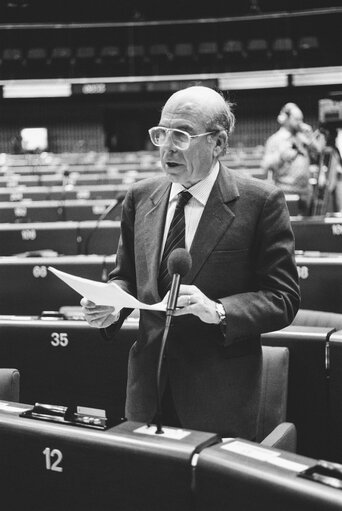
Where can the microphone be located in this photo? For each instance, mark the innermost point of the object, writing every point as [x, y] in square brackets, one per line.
[109, 209]
[178, 265]
[65, 181]
[113, 205]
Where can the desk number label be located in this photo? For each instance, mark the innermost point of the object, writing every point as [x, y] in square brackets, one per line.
[303, 272]
[59, 339]
[52, 459]
[20, 211]
[39, 272]
[28, 234]
[336, 229]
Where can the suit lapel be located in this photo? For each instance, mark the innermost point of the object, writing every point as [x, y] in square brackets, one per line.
[154, 231]
[215, 221]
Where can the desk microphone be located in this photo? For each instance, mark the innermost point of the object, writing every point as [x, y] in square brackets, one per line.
[178, 264]
[109, 209]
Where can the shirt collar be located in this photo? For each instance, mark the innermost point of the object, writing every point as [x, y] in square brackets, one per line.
[201, 190]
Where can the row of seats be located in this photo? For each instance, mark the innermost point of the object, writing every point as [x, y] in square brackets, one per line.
[61, 237]
[23, 194]
[74, 203]
[164, 58]
[130, 467]
[29, 288]
[314, 235]
[46, 162]
[58, 210]
[58, 179]
[124, 171]
[46, 351]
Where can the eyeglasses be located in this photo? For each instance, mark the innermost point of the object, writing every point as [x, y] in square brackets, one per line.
[180, 139]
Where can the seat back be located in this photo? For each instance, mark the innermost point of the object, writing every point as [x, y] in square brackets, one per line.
[233, 55]
[273, 403]
[9, 384]
[306, 317]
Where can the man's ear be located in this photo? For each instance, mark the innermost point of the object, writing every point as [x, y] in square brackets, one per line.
[221, 143]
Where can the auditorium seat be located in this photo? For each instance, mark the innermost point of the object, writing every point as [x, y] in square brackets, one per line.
[64, 238]
[283, 52]
[320, 278]
[258, 53]
[39, 193]
[111, 60]
[160, 58]
[309, 51]
[238, 476]
[9, 384]
[136, 59]
[334, 356]
[29, 288]
[292, 201]
[36, 61]
[208, 57]
[308, 404]
[184, 55]
[318, 233]
[84, 60]
[61, 61]
[66, 362]
[233, 55]
[273, 430]
[55, 466]
[306, 317]
[12, 62]
[53, 211]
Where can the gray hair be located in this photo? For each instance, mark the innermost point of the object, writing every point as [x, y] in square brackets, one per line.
[223, 119]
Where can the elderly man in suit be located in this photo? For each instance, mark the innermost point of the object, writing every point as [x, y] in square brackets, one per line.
[242, 282]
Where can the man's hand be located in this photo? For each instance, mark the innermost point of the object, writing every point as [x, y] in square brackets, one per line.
[98, 316]
[192, 301]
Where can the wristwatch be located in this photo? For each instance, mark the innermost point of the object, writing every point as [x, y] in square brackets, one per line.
[221, 313]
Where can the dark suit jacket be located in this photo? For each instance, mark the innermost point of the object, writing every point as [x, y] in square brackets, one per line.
[242, 254]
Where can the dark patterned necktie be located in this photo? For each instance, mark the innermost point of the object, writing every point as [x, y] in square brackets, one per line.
[175, 239]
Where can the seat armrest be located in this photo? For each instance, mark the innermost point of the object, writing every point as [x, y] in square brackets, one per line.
[284, 436]
[9, 384]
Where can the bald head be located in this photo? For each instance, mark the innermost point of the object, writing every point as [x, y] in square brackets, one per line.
[203, 115]
[216, 112]
[206, 98]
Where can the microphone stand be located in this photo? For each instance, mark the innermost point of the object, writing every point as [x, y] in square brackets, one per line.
[62, 207]
[171, 305]
[104, 215]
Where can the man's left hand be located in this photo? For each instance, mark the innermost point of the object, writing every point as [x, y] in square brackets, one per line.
[192, 301]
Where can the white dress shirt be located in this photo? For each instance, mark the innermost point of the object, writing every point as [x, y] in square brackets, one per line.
[194, 208]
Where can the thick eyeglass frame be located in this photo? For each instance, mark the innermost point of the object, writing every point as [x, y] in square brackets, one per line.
[185, 146]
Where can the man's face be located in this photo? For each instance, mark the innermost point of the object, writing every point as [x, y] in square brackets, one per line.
[295, 120]
[192, 165]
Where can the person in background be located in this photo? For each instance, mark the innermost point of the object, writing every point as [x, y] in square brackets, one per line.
[327, 196]
[289, 153]
[243, 280]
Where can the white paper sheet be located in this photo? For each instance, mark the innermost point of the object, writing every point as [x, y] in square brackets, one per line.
[103, 293]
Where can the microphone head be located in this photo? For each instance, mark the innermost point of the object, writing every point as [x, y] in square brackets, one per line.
[120, 196]
[179, 261]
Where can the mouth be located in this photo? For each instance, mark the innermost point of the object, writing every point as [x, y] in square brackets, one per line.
[171, 164]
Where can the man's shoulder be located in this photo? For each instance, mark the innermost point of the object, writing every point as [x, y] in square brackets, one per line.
[249, 184]
[148, 185]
